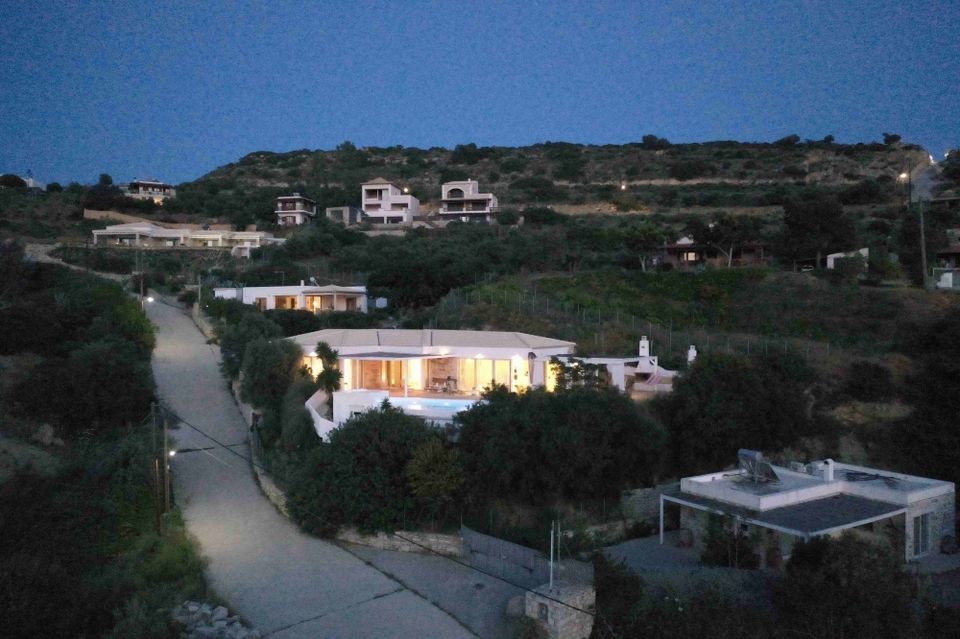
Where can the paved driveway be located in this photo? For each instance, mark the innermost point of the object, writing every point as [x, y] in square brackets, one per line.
[477, 600]
[284, 582]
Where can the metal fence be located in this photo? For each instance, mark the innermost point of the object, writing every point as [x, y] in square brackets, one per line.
[518, 564]
[607, 330]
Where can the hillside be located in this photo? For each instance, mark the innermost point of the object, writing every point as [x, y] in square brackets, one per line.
[653, 175]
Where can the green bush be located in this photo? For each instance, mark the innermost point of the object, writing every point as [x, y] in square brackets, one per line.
[868, 382]
[726, 402]
[296, 426]
[358, 478]
[269, 367]
[507, 217]
[848, 587]
[538, 446]
[234, 339]
[690, 169]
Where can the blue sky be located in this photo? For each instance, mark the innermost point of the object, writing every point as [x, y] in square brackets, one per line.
[175, 89]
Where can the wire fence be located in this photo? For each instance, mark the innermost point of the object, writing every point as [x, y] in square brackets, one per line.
[600, 330]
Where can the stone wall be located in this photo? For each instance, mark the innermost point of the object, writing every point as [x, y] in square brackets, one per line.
[450, 545]
[696, 522]
[643, 504]
[202, 322]
[942, 511]
[559, 620]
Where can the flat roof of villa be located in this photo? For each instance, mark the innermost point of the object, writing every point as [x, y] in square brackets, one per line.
[339, 338]
[814, 517]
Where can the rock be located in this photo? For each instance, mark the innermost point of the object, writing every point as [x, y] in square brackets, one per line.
[220, 613]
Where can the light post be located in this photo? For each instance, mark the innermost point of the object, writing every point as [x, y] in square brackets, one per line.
[907, 177]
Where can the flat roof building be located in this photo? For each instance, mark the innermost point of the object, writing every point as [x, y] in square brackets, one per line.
[150, 189]
[430, 373]
[153, 236]
[823, 498]
[309, 297]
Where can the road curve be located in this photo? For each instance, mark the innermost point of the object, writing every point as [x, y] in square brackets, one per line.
[286, 583]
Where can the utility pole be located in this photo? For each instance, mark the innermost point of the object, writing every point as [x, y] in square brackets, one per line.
[923, 245]
[552, 529]
[157, 501]
[156, 491]
[166, 466]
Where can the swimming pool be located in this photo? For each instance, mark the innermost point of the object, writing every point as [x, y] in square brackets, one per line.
[434, 408]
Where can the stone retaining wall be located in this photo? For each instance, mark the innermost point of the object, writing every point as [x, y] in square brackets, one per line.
[450, 545]
[643, 504]
[204, 324]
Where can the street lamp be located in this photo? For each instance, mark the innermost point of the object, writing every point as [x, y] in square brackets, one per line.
[907, 177]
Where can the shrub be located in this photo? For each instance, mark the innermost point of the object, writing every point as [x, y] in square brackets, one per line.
[690, 169]
[512, 165]
[358, 478]
[269, 367]
[235, 337]
[788, 141]
[542, 215]
[868, 382]
[537, 445]
[453, 175]
[653, 143]
[849, 587]
[294, 321]
[296, 425]
[727, 401]
[507, 217]
[101, 384]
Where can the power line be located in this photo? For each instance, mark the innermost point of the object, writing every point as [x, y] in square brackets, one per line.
[253, 463]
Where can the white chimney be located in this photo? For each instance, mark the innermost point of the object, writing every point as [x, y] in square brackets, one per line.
[828, 470]
[691, 354]
[301, 282]
[644, 347]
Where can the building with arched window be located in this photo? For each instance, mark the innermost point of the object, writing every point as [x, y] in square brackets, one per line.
[462, 200]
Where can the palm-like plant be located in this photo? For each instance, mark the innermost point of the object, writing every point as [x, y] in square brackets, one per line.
[329, 378]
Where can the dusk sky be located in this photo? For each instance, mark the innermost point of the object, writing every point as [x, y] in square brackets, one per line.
[174, 89]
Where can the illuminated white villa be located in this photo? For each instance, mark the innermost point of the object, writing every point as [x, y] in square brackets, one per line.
[384, 202]
[431, 373]
[309, 297]
[436, 373]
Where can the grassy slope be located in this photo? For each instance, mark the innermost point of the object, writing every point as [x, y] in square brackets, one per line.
[728, 174]
[607, 311]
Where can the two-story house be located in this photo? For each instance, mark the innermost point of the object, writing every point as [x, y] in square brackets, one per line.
[294, 209]
[462, 200]
[384, 202]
